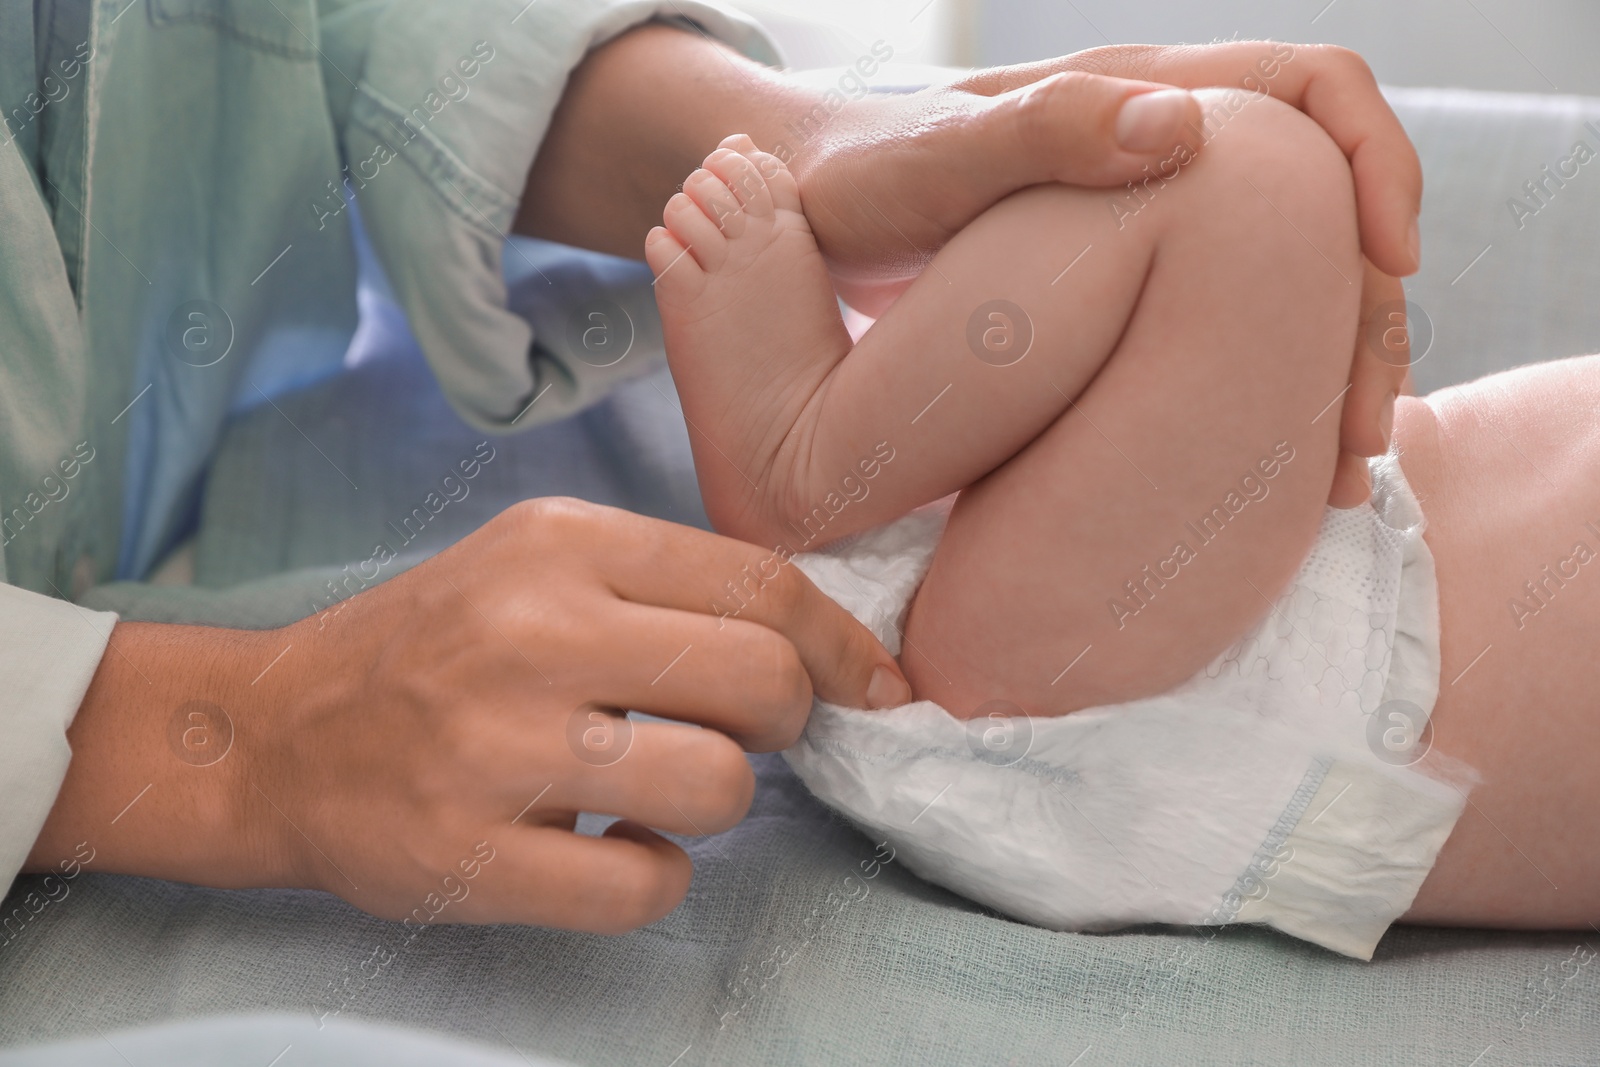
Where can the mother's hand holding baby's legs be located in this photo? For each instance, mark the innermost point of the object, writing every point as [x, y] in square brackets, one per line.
[888, 179]
[1068, 119]
[424, 748]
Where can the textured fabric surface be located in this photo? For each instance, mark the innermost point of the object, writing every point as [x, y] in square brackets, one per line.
[764, 964]
[290, 1040]
[769, 960]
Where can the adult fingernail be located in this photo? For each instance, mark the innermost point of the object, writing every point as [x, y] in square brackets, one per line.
[887, 690]
[1386, 421]
[1414, 242]
[1149, 122]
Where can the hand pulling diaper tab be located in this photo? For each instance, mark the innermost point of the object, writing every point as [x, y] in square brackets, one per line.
[1276, 786]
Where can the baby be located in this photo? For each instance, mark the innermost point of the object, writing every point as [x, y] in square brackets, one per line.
[1136, 394]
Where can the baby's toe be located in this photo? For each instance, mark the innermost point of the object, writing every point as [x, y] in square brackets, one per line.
[743, 179]
[717, 201]
[676, 271]
[738, 142]
[779, 179]
[688, 223]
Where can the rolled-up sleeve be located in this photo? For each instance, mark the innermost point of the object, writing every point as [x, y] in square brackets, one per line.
[443, 124]
[49, 650]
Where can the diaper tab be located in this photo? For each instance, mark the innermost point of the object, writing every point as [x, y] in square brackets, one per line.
[1354, 860]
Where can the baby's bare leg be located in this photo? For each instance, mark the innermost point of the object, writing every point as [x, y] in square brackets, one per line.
[1144, 369]
[1508, 473]
[1153, 520]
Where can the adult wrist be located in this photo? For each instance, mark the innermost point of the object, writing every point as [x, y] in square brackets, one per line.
[316, 676]
[164, 748]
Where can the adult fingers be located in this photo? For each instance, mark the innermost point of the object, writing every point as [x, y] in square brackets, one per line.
[659, 563]
[1352, 482]
[1332, 85]
[1378, 369]
[544, 876]
[673, 778]
[1085, 129]
[1335, 87]
[844, 662]
[731, 674]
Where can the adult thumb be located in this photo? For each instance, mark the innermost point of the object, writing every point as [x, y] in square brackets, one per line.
[1090, 129]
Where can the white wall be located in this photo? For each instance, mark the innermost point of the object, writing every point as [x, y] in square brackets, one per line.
[830, 33]
[1515, 45]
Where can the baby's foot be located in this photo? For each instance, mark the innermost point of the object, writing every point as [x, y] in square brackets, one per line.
[752, 329]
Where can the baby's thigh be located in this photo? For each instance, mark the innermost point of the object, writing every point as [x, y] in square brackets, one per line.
[1159, 515]
[1050, 593]
[1508, 473]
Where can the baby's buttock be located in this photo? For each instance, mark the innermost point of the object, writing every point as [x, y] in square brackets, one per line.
[1507, 471]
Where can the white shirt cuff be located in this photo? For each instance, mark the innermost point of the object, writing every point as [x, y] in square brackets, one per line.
[49, 651]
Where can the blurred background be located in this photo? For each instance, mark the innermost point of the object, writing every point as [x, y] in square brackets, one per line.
[1544, 46]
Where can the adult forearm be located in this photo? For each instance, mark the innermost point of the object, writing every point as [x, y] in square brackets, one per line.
[161, 757]
[637, 116]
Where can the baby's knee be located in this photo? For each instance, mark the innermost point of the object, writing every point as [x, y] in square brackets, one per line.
[1266, 134]
[1259, 152]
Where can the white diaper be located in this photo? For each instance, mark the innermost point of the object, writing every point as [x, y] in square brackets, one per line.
[1276, 786]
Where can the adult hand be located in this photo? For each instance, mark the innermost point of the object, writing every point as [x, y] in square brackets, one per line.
[1379, 373]
[423, 749]
[1098, 118]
